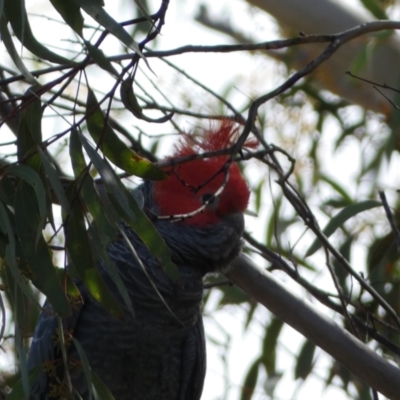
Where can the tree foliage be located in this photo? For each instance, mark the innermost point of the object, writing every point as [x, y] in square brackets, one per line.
[84, 116]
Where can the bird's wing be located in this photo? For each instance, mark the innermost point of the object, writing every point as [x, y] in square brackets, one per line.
[44, 346]
[193, 363]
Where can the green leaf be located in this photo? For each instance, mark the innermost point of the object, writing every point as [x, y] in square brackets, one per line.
[96, 11]
[76, 154]
[131, 103]
[29, 134]
[130, 212]
[85, 365]
[16, 13]
[374, 8]
[101, 60]
[339, 219]
[304, 363]
[7, 190]
[19, 279]
[114, 148]
[270, 344]
[337, 187]
[80, 254]
[12, 52]
[250, 381]
[42, 271]
[17, 392]
[71, 14]
[33, 179]
[340, 272]
[101, 229]
[54, 180]
[101, 389]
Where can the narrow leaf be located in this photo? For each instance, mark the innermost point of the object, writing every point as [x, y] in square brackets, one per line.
[304, 363]
[101, 60]
[250, 381]
[338, 188]
[76, 154]
[131, 103]
[339, 219]
[96, 11]
[78, 248]
[101, 389]
[17, 392]
[33, 179]
[269, 345]
[19, 279]
[114, 148]
[71, 14]
[12, 52]
[104, 228]
[42, 271]
[85, 366]
[54, 180]
[130, 212]
[16, 14]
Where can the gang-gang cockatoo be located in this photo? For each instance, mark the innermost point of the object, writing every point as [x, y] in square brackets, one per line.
[159, 353]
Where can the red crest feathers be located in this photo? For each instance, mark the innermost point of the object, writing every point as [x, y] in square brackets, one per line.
[220, 138]
[184, 190]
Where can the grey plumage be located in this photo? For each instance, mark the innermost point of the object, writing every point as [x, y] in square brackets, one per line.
[159, 353]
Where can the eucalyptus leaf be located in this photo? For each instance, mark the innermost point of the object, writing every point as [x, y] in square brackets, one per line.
[96, 11]
[114, 148]
[16, 14]
[36, 251]
[130, 211]
[340, 218]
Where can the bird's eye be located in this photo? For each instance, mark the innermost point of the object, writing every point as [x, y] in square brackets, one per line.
[208, 198]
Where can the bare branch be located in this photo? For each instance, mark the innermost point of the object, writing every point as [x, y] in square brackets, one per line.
[325, 333]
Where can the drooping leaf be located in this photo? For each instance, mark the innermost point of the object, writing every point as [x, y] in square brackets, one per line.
[76, 154]
[101, 389]
[7, 190]
[29, 127]
[33, 179]
[16, 13]
[270, 343]
[78, 248]
[305, 358]
[101, 230]
[71, 14]
[18, 278]
[41, 270]
[250, 381]
[12, 51]
[339, 219]
[17, 392]
[54, 180]
[131, 103]
[99, 57]
[97, 12]
[114, 148]
[29, 137]
[337, 187]
[375, 9]
[130, 212]
[340, 272]
[85, 366]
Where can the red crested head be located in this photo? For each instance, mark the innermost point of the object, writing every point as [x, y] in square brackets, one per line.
[191, 183]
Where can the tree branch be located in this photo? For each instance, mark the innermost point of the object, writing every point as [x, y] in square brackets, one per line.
[325, 333]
